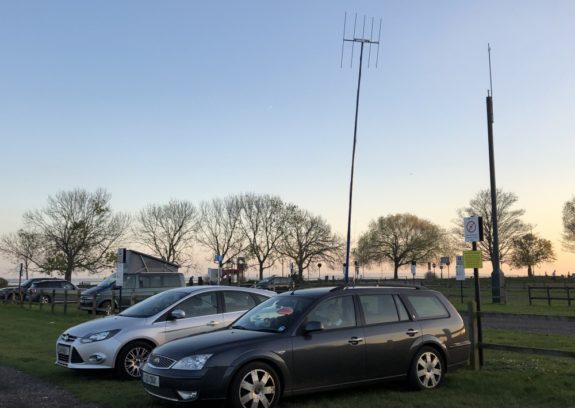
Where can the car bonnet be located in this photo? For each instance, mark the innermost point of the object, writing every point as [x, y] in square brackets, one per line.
[106, 323]
[211, 342]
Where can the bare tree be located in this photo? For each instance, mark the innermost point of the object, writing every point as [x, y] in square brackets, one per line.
[510, 225]
[263, 224]
[219, 228]
[79, 231]
[167, 230]
[23, 247]
[308, 239]
[400, 239]
[530, 250]
[569, 225]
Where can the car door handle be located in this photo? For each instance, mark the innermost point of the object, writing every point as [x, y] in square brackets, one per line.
[213, 323]
[411, 332]
[355, 341]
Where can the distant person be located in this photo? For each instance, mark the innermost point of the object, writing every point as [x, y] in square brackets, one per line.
[191, 282]
[200, 281]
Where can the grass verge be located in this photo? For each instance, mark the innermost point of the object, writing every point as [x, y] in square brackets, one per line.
[512, 380]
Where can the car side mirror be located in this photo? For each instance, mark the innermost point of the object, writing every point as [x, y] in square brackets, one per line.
[177, 314]
[313, 326]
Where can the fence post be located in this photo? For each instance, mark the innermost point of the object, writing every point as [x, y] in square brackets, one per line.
[473, 337]
[529, 291]
[113, 304]
[53, 302]
[65, 301]
[39, 299]
[94, 305]
[548, 296]
[568, 296]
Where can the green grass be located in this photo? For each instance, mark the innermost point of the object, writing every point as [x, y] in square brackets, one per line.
[512, 380]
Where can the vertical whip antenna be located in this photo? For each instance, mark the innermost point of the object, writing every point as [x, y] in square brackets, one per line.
[490, 78]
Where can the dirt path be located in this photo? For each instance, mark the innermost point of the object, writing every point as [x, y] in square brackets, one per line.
[20, 390]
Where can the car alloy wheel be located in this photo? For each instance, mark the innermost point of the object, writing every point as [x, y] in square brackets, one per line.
[106, 306]
[132, 358]
[255, 386]
[427, 369]
[45, 299]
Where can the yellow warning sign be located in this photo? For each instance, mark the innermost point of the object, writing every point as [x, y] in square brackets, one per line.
[472, 259]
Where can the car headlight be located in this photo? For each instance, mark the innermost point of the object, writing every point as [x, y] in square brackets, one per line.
[103, 335]
[195, 362]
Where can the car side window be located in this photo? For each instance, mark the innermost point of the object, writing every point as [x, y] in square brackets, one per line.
[236, 301]
[200, 305]
[130, 281]
[68, 286]
[334, 313]
[427, 306]
[403, 314]
[379, 308]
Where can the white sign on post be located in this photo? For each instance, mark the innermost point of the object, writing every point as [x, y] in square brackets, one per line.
[413, 266]
[459, 269]
[120, 267]
[472, 229]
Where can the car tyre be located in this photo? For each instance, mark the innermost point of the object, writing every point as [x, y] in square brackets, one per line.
[132, 358]
[427, 369]
[255, 385]
[106, 307]
[45, 299]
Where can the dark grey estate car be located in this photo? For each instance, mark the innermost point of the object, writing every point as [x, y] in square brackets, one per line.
[313, 340]
[51, 290]
[12, 293]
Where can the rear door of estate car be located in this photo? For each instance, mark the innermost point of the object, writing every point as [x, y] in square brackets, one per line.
[334, 355]
[434, 317]
[202, 315]
[389, 334]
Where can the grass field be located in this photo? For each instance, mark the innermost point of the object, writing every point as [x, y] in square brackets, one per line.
[28, 340]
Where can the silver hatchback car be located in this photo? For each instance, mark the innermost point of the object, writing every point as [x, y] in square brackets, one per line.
[124, 341]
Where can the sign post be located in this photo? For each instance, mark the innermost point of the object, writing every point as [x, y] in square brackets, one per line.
[473, 227]
[460, 273]
[120, 266]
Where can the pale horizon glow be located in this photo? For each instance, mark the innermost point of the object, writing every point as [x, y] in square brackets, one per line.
[197, 100]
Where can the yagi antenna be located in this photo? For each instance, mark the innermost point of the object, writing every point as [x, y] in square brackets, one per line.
[363, 40]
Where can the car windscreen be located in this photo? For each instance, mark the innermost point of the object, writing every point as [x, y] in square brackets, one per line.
[276, 314]
[154, 304]
[109, 281]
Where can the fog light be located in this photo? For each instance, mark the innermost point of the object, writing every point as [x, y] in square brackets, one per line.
[188, 395]
[96, 358]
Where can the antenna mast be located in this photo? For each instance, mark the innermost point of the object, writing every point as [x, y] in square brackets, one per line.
[497, 277]
[362, 41]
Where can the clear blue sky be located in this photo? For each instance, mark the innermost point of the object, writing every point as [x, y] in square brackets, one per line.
[194, 100]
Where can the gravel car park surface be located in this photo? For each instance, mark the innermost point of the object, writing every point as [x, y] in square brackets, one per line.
[20, 390]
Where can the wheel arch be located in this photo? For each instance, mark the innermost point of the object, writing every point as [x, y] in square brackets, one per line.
[435, 344]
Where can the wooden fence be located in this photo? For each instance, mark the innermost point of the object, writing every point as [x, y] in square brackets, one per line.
[478, 345]
[544, 293]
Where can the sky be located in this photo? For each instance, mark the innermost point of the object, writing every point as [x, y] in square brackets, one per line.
[196, 100]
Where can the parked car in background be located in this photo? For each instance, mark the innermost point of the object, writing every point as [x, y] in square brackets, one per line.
[311, 340]
[51, 290]
[136, 287]
[275, 283]
[12, 293]
[123, 342]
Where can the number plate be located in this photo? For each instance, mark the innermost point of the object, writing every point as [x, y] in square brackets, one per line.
[150, 379]
[64, 350]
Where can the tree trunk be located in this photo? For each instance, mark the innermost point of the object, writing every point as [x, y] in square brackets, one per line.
[261, 271]
[395, 271]
[529, 271]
